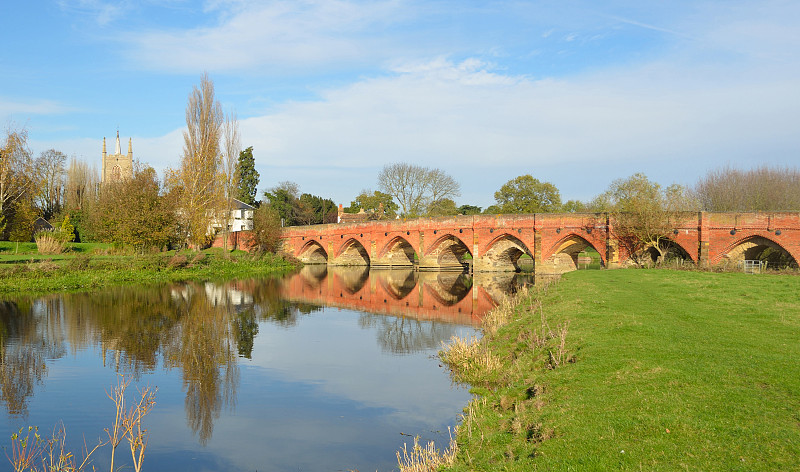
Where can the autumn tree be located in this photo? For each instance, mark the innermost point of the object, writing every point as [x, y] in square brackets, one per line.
[196, 182]
[525, 194]
[643, 214]
[248, 177]
[417, 189]
[134, 212]
[18, 176]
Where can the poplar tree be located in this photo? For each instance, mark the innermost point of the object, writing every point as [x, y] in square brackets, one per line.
[197, 181]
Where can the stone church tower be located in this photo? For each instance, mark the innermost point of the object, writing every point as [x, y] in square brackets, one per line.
[117, 166]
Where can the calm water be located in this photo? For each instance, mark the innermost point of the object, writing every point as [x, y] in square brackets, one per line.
[317, 371]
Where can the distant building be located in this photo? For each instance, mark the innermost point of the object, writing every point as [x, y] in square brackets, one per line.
[117, 166]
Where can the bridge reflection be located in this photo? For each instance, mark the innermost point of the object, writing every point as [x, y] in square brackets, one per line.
[440, 296]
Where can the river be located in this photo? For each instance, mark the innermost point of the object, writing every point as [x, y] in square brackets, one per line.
[320, 370]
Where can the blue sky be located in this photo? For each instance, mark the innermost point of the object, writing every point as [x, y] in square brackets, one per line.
[577, 93]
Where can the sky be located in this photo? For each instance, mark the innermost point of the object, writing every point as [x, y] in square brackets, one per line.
[327, 92]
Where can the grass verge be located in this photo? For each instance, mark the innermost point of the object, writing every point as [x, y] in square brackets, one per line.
[638, 370]
[81, 271]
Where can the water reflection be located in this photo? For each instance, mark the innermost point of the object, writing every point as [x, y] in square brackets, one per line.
[203, 330]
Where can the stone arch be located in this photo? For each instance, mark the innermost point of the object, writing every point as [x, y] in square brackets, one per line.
[445, 253]
[312, 252]
[396, 252]
[564, 254]
[758, 248]
[503, 253]
[352, 253]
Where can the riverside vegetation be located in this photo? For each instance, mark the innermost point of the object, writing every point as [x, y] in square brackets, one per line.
[88, 265]
[639, 369]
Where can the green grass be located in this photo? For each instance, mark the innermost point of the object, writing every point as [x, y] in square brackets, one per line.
[83, 270]
[680, 370]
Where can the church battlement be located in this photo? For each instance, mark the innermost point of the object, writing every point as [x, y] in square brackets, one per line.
[117, 166]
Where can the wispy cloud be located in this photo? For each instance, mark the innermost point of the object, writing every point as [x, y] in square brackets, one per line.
[251, 35]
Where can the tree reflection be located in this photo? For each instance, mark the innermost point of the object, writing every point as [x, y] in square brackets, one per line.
[403, 335]
[24, 350]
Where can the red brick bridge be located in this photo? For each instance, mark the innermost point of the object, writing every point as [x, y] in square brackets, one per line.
[553, 240]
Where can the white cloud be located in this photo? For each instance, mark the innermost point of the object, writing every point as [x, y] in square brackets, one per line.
[252, 35]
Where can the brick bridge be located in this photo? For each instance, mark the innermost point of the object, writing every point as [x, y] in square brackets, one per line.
[553, 240]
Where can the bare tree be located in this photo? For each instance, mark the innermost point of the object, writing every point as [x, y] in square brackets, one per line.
[416, 188]
[50, 165]
[197, 180]
[760, 189]
[80, 185]
[230, 159]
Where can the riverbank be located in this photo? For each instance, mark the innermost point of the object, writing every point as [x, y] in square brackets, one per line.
[85, 267]
[636, 369]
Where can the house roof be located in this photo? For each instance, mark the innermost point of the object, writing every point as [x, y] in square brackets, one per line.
[240, 205]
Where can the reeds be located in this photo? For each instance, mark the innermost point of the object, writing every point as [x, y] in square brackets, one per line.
[427, 458]
[34, 453]
[48, 242]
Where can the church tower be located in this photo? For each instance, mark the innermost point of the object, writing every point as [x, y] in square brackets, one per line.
[117, 166]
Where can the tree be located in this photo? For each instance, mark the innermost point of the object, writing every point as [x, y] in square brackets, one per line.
[643, 214]
[469, 210]
[231, 150]
[266, 229]
[443, 207]
[50, 165]
[321, 210]
[248, 177]
[574, 206]
[80, 185]
[284, 199]
[416, 188]
[372, 202]
[760, 189]
[526, 194]
[18, 175]
[196, 182]
[134, 212]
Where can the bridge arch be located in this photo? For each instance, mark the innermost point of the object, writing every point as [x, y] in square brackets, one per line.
[563, 254]
[503, 253]
[352, 253]
[312, 252]
[673, 250]
[446, 252]
[396, 252]
[757, 247]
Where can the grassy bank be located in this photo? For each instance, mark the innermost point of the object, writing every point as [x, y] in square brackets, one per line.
[84, 267]
[637, 370]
